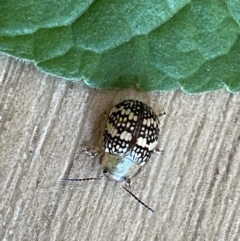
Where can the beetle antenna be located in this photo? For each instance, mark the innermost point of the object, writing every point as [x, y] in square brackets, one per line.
[146, 206]
[64, 179]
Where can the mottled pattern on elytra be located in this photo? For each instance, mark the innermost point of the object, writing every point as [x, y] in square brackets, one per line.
[132, 129]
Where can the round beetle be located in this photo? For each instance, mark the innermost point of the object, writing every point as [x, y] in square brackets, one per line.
[129, 138]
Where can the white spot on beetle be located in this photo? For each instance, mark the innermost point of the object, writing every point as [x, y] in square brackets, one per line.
[114, 132]
[128, 111]
[142, 141]
[125, 136]
[152, 145]
[148, 122]
[130, 117]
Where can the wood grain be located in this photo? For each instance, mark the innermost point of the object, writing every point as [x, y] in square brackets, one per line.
[45, 124]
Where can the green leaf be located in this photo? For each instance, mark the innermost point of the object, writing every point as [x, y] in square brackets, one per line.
[152, 45]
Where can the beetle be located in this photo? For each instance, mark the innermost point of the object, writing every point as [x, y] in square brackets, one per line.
[129, 138]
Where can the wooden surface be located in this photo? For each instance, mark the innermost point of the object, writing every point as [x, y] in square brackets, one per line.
[46, 122]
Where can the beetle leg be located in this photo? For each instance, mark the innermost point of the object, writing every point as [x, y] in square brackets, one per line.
[158, 150]
[92, 153]
[128, 182]
[161, 114]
